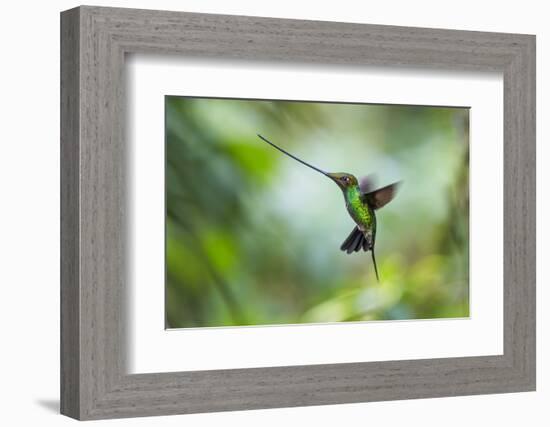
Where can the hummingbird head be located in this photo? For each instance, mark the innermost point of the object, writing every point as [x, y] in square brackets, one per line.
[343, 180]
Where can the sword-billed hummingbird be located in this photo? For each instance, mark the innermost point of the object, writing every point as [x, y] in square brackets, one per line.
[361, 202]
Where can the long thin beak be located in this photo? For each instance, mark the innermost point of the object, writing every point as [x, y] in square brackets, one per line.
[334, 178]
[294, 157]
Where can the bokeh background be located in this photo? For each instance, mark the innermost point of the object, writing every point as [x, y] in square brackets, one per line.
[252, 237]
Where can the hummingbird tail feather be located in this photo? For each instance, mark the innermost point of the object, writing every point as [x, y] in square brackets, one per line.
[357, 241]
[374, 263]
[353, 242]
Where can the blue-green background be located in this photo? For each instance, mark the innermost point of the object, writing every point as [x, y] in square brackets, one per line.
[252, 237]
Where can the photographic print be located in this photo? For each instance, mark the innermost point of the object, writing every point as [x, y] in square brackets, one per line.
[296, 212]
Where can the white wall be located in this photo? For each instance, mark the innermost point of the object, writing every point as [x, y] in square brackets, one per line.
[29, 226]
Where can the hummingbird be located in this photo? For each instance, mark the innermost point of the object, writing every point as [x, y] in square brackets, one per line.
[362, 202]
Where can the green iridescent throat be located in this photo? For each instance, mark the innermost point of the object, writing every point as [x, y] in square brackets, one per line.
[358, 209]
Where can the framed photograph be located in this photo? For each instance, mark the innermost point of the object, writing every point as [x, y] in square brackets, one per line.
[262, 213]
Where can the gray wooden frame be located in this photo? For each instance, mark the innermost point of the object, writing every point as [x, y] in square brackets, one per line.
[94, 41]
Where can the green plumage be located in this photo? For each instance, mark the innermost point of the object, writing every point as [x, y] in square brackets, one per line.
[359, 209]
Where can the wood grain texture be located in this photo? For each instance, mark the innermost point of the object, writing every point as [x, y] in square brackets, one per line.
[70, 292]
[94, 381]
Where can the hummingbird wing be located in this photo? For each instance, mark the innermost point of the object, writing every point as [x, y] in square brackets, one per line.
[382, 196]
[366, 183]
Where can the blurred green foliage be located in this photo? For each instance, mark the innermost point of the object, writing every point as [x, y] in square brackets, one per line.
[252, 237]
